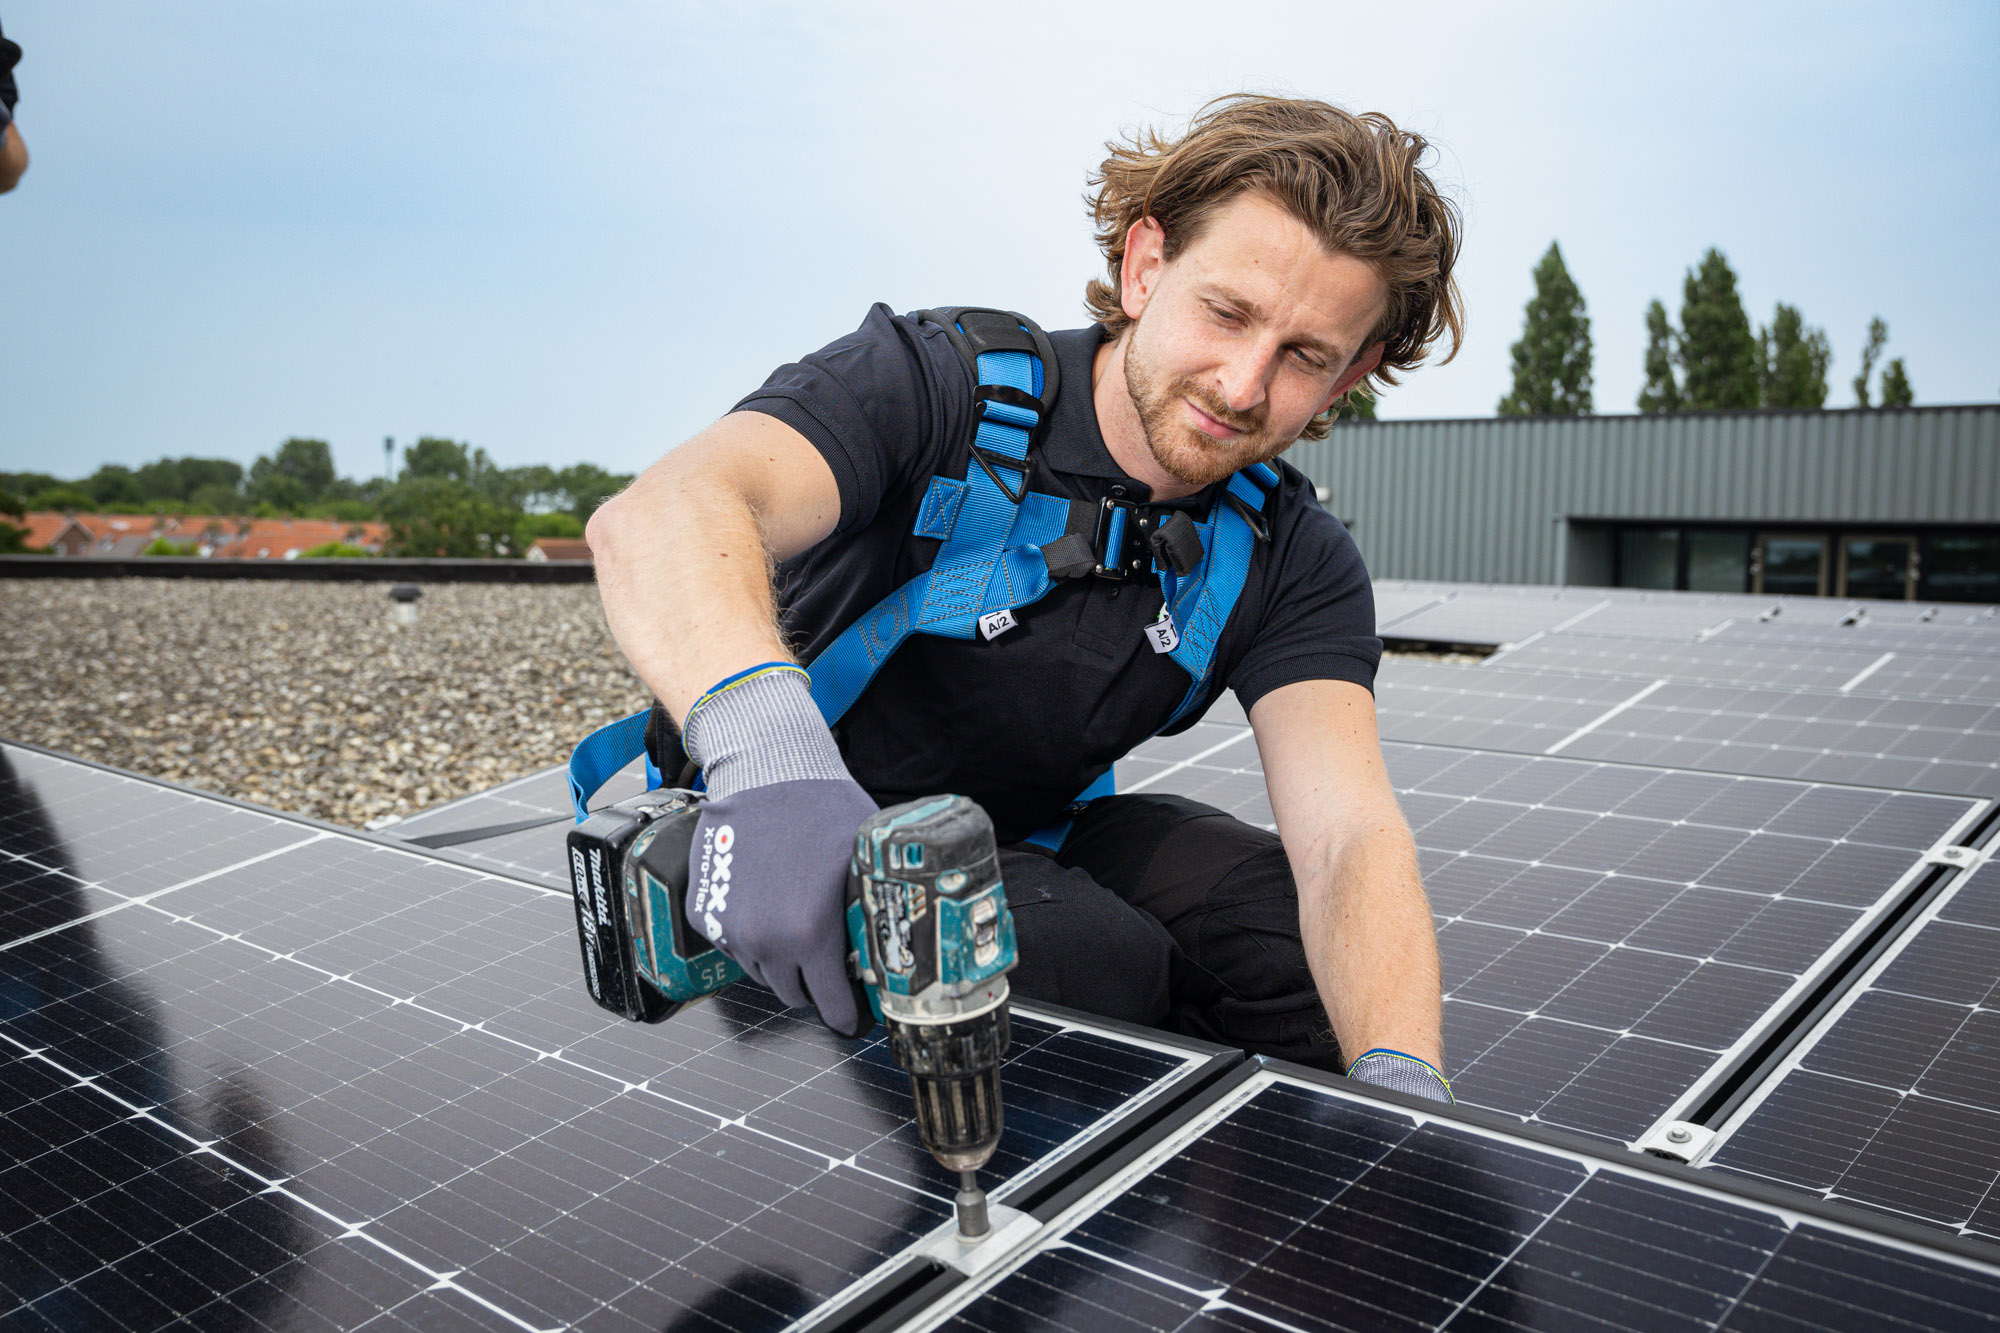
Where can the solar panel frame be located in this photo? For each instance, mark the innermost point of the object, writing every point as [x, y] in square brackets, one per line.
[220, 953]
[1226, 1284]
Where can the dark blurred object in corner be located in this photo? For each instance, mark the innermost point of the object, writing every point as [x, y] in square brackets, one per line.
[13, 151]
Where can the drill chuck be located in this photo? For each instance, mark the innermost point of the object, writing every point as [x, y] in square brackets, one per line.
[934, 939]
[954, 1071]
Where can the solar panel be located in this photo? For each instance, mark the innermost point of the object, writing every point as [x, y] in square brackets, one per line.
[386, 1066]
[1514, 614]
[1893, 1100]
[1929, 745]
[1966, 636]
[1970, 676]
[1935, 745]
[1394, 600]
[517, 828]
[1486, 619]
[1292, 1205]
[1613, 938]
[1837, 612]
[1490, 707]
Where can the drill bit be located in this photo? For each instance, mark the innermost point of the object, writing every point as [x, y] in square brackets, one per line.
[971, 1203]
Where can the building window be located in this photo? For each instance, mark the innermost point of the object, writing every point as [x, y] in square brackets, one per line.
[1718, 560]
[1649, 558]
[1882, 568]
[1793, 564]
[1962, 567]
[1932, 565]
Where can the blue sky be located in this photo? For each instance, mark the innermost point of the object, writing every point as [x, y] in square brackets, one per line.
[582, 229]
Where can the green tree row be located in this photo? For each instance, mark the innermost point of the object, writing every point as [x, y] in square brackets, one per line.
[448, 499]
[1711, 361]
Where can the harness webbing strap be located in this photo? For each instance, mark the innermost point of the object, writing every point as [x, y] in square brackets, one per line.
[1209, 594]
[993, 528]
[991, 559]
[602, 753]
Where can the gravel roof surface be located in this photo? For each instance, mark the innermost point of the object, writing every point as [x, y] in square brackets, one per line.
[304, 696]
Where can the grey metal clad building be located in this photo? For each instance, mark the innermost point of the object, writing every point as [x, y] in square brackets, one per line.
[1886, 503]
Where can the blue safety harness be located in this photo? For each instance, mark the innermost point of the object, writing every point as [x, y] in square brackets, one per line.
[1004, 547]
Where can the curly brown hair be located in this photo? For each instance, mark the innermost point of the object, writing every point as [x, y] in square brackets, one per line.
[1357, 181]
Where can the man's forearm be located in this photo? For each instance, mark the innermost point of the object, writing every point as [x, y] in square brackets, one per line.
[1371, 943]
[685, 580]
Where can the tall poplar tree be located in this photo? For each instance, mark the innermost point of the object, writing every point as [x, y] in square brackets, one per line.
[1662, 392]
[1552, 359]
[1718, 353]
[1871, 352]
[1792, 361]
[1896, 391]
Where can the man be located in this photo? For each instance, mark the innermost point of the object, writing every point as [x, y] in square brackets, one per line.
[1258, 269]
[13, 150]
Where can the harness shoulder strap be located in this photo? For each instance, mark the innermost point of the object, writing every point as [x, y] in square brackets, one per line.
[1203, 605]
[992, 526]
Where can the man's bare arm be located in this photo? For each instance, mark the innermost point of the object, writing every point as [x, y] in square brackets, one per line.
[1367, 924]
[13, 157]
[683, 554]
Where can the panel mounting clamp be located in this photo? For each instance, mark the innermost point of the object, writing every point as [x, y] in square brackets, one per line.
[1677, 1140]
[1962, 858]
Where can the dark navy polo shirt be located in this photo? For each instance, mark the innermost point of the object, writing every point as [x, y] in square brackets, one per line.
[1025, 721]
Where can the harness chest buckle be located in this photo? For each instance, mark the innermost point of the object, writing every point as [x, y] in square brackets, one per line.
[1119, 557]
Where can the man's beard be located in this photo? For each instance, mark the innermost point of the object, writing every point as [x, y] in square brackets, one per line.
[1183, 452]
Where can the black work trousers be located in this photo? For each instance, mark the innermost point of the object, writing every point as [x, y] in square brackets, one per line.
[1166, 912]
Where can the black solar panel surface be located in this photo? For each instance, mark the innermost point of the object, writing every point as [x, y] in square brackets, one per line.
[1303, 1208]
[526, 853]
[1893, 1102]
[1485, 620]
[1610, 935]
[1969, 674]
[387, 1068]
[1933, 745]
[1953, 631]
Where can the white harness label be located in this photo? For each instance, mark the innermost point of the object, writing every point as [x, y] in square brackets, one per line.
[1162, 634]
[996, 623]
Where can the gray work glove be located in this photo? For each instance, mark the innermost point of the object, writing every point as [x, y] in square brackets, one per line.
[769, 862]
[1398, 1072]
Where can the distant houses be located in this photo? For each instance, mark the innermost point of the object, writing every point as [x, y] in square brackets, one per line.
[72, 534]
[558, 548]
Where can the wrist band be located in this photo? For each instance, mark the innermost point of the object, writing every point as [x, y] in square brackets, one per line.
[741, 677]
[1402, 1055]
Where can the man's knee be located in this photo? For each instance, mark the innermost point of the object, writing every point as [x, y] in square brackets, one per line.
[1245, 938]
[1080, 946]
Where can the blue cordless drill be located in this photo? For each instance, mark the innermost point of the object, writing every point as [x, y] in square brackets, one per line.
[927, 922]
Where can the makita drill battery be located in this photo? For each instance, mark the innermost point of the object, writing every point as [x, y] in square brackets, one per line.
[628, 869]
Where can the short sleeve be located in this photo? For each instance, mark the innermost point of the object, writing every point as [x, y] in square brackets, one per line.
[876, 404]
[1319, 614]
[10, 55]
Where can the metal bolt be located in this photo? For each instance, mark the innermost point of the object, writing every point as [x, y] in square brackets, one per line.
[1678, 1134]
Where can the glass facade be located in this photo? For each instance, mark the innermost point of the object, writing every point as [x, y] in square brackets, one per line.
[1962, 567]
[1936, 565]
[1793, 566]
[1718, 560]
[1649, 557]
[1883, 568]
